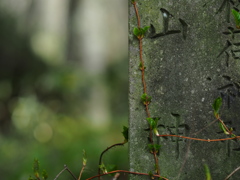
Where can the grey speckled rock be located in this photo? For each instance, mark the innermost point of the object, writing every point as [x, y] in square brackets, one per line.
[191, 54]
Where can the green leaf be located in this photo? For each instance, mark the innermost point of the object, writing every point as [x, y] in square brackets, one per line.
[150, 174]
[156, 120]
[236, 16]
[207, 172]
[217, 105]
[111, 167]
[149, 98]
[136, 31]
[154, 147]
[143, 97]
[84, 158]
[145, 29]
[153, 125]
[146, 99]
[151, 122]
[150, 147]
[30, 178]
[141, 66]
[125, 134]
[140, 32]
[157, 147]
[45, 175]
[223, 128]
[156, 131]
[103, 168]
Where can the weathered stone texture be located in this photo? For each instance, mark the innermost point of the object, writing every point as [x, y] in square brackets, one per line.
[191, 59]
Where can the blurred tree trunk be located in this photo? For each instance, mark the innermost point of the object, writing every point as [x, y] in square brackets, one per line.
[72, 41]
[29, 18]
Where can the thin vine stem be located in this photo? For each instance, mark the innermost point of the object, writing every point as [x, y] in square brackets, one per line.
[142, 69]
[211, 123]
[137, 14]
[145, 87]
[219, 119]
[100, 158]
[128, 172]
[198, 139]
[65, 169]
[189, 144]
[232, 173]
[80, 174]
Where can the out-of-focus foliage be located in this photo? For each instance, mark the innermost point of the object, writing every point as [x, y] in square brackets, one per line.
[45, 107]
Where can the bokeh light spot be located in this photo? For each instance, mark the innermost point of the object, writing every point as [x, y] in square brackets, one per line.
[43, 132]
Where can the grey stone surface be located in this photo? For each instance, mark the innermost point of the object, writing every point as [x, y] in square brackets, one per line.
[191, 59]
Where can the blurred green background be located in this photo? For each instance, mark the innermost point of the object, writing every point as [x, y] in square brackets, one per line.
[63, 85]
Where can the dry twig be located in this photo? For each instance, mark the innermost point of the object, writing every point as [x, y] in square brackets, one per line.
[232, 173]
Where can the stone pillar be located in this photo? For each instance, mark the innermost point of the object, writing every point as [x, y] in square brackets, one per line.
[191, 54]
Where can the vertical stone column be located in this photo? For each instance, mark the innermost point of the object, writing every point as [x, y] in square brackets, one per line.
[191, 54]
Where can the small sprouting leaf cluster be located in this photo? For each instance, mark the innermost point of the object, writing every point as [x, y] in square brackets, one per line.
[229, 132]
[146, 99]
[84, 158]
[236, 16]
[153, 125]
[154, 148]
[141, 67]
[108, 168]
[103, 168]
[36, 172]
[150, 173]
[216, 107]
[125, 134]
[140, 32]
[223, 128]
